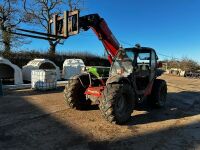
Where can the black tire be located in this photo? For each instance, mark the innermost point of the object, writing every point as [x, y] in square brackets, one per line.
[158, 96]
[74, 93]
[117, 103]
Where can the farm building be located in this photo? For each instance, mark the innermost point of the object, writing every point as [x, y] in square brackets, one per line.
[39, 64]
[10, 72]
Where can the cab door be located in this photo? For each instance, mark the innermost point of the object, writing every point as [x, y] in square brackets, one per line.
[153, 64]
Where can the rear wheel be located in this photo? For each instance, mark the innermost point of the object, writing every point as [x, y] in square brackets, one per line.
[74, 92]
[117, 103]
[158, 96]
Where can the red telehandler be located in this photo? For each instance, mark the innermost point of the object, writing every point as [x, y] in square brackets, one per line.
[132, 75]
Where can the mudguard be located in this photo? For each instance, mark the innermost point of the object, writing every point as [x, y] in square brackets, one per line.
[79, 76]
[86, 79]
[117, 79]
[83, 77]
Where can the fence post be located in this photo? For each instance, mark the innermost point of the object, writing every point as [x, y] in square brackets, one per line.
[1, 88]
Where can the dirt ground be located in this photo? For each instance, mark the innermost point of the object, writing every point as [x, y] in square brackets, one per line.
[41, 120]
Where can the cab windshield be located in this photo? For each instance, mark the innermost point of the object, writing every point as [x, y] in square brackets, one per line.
[128, 60]
[122, 64]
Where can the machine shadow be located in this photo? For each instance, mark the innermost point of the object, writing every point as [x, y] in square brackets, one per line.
[179, 105]
[185, 137]
[30, 92]
[24, 125]
[91, 107]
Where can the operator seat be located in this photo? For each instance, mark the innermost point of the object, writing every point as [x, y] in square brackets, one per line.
[142, 76]
[144, 70]
[144, 67]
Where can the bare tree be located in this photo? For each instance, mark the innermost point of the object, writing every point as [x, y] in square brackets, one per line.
[184, 64]
[76, 4]
[10, 17]
[39, 12]
[189, 64]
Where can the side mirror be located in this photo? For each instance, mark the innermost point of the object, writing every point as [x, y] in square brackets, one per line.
[159, 64]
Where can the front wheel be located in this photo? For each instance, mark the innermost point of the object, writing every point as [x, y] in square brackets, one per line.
[74, 92]
[117, 103]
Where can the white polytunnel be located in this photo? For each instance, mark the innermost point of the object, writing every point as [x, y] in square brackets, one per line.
[9, 71]
[72, 67]
[39, 64]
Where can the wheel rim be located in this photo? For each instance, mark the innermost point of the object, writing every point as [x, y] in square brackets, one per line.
[121, 105]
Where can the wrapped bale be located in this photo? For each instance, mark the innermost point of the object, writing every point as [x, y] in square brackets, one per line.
[72, 67]
[43, 79]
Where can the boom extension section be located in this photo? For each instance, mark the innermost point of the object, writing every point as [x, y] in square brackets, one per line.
[101, 29]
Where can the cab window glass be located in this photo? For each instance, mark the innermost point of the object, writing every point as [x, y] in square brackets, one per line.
[153, 60]
[143, 58]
